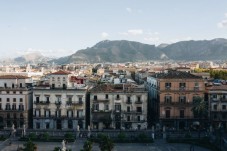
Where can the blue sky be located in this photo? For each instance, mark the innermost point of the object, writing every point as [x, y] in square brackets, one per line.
[61, 27]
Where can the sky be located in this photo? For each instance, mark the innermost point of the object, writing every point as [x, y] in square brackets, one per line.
[58, 28]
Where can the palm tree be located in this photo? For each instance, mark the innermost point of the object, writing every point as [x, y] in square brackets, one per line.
[199, 109]
[105, 143]
[87, 146]
[30, 146]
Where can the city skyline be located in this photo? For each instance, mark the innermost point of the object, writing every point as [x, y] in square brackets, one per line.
[59, 28]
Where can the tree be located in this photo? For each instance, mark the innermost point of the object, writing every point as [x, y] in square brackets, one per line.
[87, 146]
[30, 146]
[199, 109]
[105, 143]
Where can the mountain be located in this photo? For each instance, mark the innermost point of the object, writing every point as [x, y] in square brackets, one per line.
[114, 51]
[215, 49]
[129, 51]
[31, 57]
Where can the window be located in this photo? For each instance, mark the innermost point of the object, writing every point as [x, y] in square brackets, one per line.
[37, 99]
[47, 99]
[214, 96]
[70, 124]
[58, 113]
[128, 118]
[47, 125]
[7, 99]
[96, 107]
[95, 97]
[12, 85]
[118, 97]
[138, 99]
[167, 113]
[0, 106]
[223, 116]
[47, 113]
[52, 78]
[181, 113]
[8, 115]
[106, 107]
[215, 107]
[223, 107]
[80, 99]
[21, 92]
[107, 97]
[37, 125]
[58, 78]
[117, 107]
[20, 85]
[37, 113]
[63, 78]
[14, 92]
[69, 113]
[21, 107]
[138, 118]
[196, 84]
[129, 99]
[168, 99]
[182, 99]
[80, 113]
[128, 108]
[182, 85]
[14, 115]
[5, 85]
[0, 99]
[7, 92]
[14, 99]
[138, 109]
[168, 85]
[14, 107]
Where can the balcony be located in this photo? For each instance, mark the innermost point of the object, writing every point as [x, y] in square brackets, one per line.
[58, 103]
[71, 103]
[138, 102]
[42, 102]
[128, 102]
[177, 117]
[196, 88]
[182, 88]
[101, 100]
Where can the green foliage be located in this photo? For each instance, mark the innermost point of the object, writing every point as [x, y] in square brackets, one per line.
[87, 146]
[142, 137]
[69, 136]
[46, 136]
[29, 146]
[200, 107]
[188, 135]
[121, 136]
[105, 143]
[216, 74]
[57, 148]
[32, 136]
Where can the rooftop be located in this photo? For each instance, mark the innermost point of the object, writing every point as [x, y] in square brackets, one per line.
[13, 77]
[61, 72]
[172, 74]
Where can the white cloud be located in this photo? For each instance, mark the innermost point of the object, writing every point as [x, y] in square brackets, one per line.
[222, 24]
[128, 9]
[132, 32]
[135, 32]
[104, 35]
[152, 39]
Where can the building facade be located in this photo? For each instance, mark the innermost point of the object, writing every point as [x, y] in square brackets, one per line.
[217, 96]
[175, 92]
[121, 106]
[59, 105]
[15, 101]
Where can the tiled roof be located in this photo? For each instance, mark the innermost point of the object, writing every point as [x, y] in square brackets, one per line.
[217, 87]
[13, 77]
[61, 72]
[172, 74]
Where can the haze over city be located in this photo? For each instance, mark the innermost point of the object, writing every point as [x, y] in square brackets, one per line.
[58, 28]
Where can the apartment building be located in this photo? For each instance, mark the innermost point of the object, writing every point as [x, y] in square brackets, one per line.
[217, 96]
[120, 106]
[60, 104]
[15, 101]
[175, 92]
